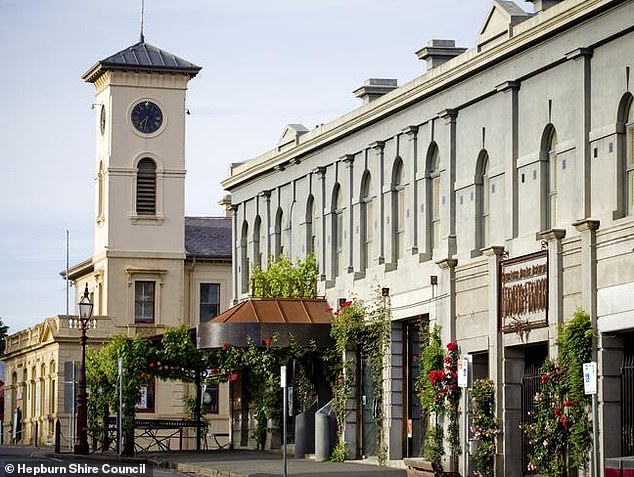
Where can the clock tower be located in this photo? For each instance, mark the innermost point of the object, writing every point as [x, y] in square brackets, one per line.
[140, 186]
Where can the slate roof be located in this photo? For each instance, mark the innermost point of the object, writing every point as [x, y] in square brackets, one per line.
[208, 238]
[142, 57]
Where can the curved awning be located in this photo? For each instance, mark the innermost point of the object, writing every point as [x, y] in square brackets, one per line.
[262, 318]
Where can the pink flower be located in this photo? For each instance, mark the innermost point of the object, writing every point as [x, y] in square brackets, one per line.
[414, 357]
[214, 371]
[267, 342]
[233, 376]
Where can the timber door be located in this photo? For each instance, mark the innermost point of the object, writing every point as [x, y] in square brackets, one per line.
[531, 384]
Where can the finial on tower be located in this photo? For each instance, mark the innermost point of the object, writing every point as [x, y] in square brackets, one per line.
[142, 36]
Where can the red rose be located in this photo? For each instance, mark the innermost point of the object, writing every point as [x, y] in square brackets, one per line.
[414, 357]
[267, 341]
[233, 376]
[225, 346]
[214, 371]
[452, 347]
[151, 364]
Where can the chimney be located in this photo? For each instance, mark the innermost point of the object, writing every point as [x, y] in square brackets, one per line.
[374, 88]
[225, 203]
[540, 5]
[438, 52]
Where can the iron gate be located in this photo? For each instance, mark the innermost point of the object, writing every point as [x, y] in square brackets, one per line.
[531, 385]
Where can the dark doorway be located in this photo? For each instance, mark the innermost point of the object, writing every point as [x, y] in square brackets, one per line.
[413, 425]
[627, 396]
[534, 357]
[369, 404]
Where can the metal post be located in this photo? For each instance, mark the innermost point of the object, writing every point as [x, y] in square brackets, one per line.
[284, 386]
[596, 471]
[81, 438]
[465, 450]
[120, 413]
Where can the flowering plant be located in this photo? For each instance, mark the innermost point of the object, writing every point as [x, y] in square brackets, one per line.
[483, 427]
[559, 431]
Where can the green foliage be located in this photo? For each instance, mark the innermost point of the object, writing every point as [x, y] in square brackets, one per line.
[4, 331]
[484, 427]
[367, 329]
[439, 394]
[561, 428]
[339, 453]
[284, 279]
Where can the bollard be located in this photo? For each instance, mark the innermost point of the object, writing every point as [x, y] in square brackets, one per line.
[36, 430]
[58, 436]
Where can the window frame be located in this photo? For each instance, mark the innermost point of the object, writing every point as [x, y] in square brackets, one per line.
[143, 282]
[201, 304]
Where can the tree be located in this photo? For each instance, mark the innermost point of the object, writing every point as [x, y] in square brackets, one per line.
[4, 330]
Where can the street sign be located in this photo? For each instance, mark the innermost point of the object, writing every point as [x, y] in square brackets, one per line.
[590, 377]
[283, 383]
[463, 373]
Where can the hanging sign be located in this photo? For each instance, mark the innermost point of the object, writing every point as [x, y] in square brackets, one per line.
[590, 377]
[463, 373]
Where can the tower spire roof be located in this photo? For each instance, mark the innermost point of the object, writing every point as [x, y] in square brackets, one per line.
[142, 57]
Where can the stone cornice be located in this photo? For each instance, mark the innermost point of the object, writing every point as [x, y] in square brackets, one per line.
[525, 34]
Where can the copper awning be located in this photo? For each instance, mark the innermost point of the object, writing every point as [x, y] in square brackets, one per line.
[262, 318]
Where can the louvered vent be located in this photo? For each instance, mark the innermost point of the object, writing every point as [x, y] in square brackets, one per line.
[146, 187]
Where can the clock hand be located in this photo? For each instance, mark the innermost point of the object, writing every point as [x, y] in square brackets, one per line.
[143, 124]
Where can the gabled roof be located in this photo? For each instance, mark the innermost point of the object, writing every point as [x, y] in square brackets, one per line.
[498, 25]
[208, 238]
[142, 57]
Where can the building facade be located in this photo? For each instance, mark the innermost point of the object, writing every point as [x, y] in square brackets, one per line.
[152, 267]
[493, 196]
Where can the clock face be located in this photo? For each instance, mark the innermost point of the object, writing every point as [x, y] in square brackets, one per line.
[102, 120]
[146, 117]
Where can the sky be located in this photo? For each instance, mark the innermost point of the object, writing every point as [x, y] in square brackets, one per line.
[265, 64]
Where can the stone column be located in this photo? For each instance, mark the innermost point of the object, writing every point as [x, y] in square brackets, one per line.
[412, 153]
[510, 165]
[449, 116]
[496, 347]
[379, 148]
[348, 160]
[321, 255]
[553, 238]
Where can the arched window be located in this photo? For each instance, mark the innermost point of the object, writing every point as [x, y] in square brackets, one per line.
[257, 254]
[549, 188]
[398, 211]
[367, 221]
[278, 247]
[433, 197]
[629, 159]
[52, 389]
[244, 256]
[310, 233]
[146, 187]
[337, 230]
[483, 198]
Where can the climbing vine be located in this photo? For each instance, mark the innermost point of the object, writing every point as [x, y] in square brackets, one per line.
[560, 434]
[483, 427]
[358, 327]
[439, 394]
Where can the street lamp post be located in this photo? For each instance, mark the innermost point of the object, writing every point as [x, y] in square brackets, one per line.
[83, 323]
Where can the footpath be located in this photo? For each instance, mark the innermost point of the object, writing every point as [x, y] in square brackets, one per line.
[243, 463]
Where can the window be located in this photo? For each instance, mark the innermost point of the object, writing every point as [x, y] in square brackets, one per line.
[398, 211]
[483, 198]
[210, 399]
[257, 254]
[551, 178]
[209, 301]
[279, 249]
[367, 225]
[629, 163]
[144, 302]
[244, 257]
[146, 397]
[310, 233]
[146, 187]
[337, 231]
[435, 197]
